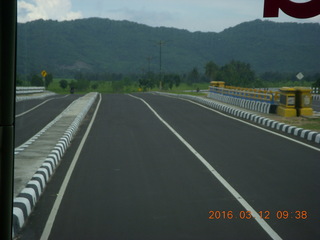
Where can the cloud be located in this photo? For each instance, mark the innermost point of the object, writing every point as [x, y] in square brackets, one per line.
[46, 9]
[152, 18]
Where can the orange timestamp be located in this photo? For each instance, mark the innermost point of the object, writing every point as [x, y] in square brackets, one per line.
[283, 214]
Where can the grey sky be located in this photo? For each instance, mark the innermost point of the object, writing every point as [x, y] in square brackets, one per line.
[193, 15]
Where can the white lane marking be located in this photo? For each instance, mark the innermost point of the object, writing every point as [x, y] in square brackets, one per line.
[47, 230]
[21, 114]
[252, 125]
[236, 195]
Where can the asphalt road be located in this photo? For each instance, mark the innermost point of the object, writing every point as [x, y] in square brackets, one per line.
[44, 111]
[135, 179]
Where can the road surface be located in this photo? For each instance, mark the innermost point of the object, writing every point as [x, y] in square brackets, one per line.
[33, 115]
[137, 179]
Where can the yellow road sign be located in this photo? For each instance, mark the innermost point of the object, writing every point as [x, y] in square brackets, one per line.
[44, 73]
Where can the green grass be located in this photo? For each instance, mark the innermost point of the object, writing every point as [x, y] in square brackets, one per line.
[102, 87]
[118, 87]
[313, 123]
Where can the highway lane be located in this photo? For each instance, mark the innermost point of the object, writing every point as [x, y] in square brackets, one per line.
[27, 125]
[273, 173]
[136, 180]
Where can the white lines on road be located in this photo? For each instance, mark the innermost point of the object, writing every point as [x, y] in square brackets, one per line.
[47, 230]
[21, 114]
[253, 125]
[236, 195]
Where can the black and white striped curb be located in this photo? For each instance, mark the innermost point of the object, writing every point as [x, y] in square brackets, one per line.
[25, 145]
[26, 200]
[257, 106]
[293, 130]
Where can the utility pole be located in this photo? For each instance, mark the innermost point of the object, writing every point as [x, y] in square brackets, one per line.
[160, 43]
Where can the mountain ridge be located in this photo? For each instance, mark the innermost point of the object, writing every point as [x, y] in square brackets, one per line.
[104, 45]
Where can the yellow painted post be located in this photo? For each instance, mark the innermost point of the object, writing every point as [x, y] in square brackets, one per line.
[221, 84]
[304, 101]
[287, 107]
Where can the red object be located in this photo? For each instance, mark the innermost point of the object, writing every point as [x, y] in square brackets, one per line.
[293, 9]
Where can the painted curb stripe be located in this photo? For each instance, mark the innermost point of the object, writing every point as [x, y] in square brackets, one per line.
[28, 197]
[299, 132]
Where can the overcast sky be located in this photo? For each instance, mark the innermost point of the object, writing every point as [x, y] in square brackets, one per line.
[193, 15]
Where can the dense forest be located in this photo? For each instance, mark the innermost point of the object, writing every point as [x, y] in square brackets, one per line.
[103, 46]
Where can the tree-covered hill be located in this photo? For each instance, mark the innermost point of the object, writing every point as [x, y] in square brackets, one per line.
[103, 45]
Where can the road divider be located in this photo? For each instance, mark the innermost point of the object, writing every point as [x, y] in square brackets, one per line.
[266, 122]
[37, 159]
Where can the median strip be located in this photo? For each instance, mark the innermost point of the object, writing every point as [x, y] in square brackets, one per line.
[37, 159]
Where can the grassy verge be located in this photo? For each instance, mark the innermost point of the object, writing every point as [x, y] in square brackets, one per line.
[304, 122]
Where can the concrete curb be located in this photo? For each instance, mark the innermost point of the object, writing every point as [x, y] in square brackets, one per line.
[45, 94]
[26, 200]
[293, 130]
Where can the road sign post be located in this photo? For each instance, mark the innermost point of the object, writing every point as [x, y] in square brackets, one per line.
[44, 74]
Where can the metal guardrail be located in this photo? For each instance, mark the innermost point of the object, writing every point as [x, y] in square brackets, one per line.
[29, 90]
[255, 95]
[315, 90]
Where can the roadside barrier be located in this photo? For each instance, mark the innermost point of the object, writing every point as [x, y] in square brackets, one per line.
[26, 200]
[293, 130]
[29, 90]
[260, 101]
[315, 90]
[29, 93]
[316, 97]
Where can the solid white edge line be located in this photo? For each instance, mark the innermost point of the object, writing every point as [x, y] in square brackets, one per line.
[236, 195]
[21, 114]
[252, 125]
[47, 230]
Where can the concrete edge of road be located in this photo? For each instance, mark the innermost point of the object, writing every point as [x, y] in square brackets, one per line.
[26, 200]
[309, 135]
[35, 96]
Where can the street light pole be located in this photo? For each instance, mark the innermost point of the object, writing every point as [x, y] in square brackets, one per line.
[160, 43]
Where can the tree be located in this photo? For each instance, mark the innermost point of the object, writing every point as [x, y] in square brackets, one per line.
[146, 83]
[36, 81]
[316, 84]
[94, 86]
[237, 73]
[48, 79]
[83, 84]
[211, 70]
[193, 76]
[170, 80]
[63, 84]
[73, 84]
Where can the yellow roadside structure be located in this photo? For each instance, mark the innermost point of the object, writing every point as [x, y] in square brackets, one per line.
[287, 102]
[304, 101]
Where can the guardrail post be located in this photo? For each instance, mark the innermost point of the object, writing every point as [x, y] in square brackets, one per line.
[287, 107]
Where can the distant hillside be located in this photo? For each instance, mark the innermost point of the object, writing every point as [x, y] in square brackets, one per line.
[104, 45]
